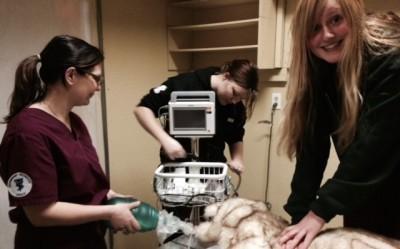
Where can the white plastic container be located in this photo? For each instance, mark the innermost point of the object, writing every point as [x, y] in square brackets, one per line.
[191, 183]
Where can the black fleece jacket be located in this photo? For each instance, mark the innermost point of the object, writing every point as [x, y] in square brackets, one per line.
[368, 174]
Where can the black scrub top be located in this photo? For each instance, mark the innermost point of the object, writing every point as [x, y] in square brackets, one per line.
[230, 119]
[43, 162]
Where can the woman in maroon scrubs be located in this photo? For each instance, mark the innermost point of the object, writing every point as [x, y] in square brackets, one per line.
[47, 158]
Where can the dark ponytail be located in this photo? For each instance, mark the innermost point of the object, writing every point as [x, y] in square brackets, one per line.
[59, 54]
[27, 88]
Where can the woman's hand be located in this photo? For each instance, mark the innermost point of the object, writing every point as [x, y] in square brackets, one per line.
[122, 219]
[148, 121]
[301, 235]
[173, 148]
[236, 165]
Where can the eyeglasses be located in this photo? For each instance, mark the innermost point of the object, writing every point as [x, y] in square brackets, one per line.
[98, 78]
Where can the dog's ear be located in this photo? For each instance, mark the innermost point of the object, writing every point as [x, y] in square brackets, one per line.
[234, 217]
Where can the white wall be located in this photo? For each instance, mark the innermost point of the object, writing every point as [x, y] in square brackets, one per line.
[26, 26]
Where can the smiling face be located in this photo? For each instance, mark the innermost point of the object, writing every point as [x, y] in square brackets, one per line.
[329, 33]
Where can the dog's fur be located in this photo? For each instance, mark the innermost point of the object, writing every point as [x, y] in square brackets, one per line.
[245, 224]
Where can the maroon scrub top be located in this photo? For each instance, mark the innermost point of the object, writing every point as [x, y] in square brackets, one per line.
[43, 162]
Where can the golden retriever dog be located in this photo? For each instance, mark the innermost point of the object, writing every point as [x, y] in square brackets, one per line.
[245, 224]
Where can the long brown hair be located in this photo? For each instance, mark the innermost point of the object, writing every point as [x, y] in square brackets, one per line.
[245, 73]
[59, 54]
[348, 75]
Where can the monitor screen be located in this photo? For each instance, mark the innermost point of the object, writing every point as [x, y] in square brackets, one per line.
[189, 119]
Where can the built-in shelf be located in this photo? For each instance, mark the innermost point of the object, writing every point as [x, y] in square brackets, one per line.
[216, 26]
[214, 49]
[211, 32]
[209, 3]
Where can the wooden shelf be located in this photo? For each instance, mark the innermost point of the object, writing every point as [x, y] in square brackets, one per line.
[216, 26]
[185, 50]
[209, 3]
[211, 32]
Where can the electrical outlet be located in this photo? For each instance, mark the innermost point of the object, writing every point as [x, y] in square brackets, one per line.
[277, 98]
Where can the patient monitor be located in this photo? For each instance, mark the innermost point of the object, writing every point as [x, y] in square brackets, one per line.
[192, 114]
[194, 183]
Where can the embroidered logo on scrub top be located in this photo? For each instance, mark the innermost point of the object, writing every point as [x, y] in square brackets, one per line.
[159, 89]
[230, 120]
[19, 184]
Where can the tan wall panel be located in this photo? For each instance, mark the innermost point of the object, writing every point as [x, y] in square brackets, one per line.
[136, 59]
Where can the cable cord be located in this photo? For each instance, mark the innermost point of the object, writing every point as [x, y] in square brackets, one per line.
[163, 116]
[273, 109]
[235, 189]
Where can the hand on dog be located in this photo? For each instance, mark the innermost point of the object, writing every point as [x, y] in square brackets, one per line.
[301, 235]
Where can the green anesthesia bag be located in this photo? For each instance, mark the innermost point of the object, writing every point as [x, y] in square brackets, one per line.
[145, 214]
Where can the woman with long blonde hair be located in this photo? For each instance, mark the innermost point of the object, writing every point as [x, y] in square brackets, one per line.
[344, 86]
